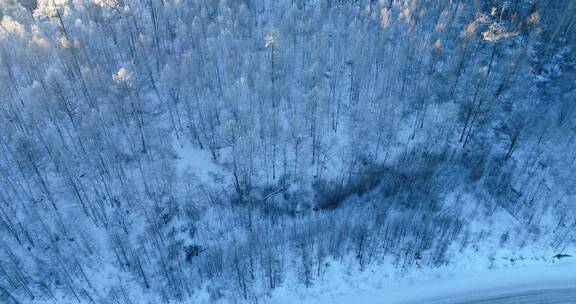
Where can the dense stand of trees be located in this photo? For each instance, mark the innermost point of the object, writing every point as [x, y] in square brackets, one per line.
[358, 132]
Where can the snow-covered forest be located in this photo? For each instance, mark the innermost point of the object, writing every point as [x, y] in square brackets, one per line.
[160, 151]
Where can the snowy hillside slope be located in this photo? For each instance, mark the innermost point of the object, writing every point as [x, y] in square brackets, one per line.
[280, 151]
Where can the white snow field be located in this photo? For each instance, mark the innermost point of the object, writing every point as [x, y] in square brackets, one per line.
[532, 282]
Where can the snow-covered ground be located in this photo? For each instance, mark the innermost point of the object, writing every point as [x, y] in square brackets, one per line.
[196, 160]
[462, 285]
[381, 286]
